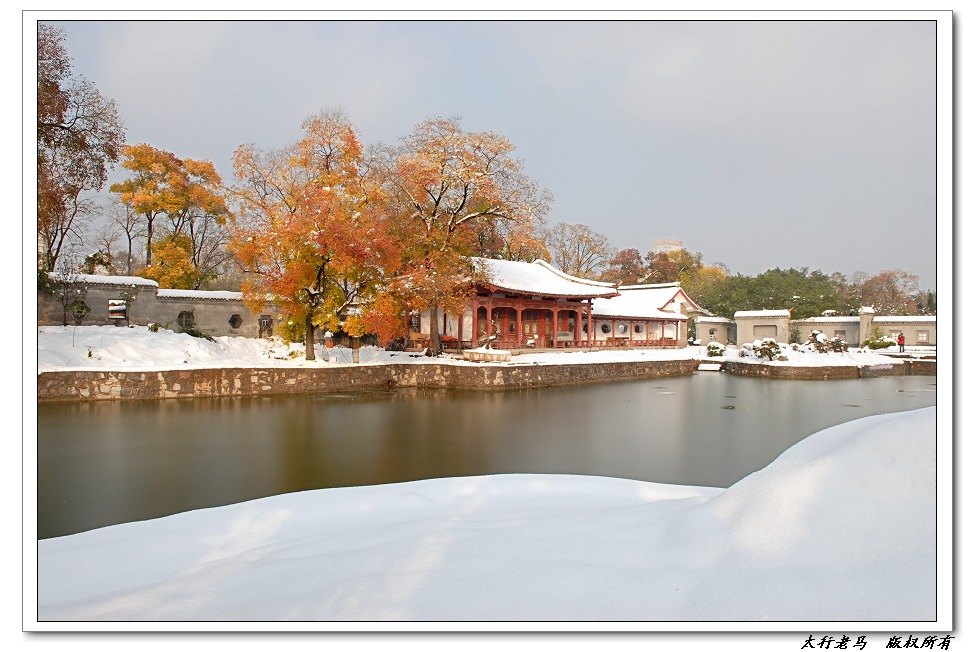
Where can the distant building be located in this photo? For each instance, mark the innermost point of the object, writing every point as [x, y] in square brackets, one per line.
[665, 245]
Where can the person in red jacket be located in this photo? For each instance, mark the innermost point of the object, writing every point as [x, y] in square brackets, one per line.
[900, 342]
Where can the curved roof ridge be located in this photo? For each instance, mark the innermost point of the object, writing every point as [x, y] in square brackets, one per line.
[570, 277]
[651, 286]
[540, 278]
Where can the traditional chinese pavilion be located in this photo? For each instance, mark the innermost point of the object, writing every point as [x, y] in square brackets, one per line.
[522, 304]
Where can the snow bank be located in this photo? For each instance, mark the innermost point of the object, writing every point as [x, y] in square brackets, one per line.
[840, 527]
[136, 348]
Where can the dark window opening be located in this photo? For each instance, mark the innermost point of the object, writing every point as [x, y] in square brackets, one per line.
[185, 319]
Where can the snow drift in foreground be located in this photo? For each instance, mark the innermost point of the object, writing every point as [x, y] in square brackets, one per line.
[841, 527]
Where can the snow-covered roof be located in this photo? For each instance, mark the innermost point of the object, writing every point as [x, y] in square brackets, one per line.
[540, 279]
[642, 302]
[906, 319]
[706, 319]
[662, 295]
[762, 313]
[214, 295]
[96, 279]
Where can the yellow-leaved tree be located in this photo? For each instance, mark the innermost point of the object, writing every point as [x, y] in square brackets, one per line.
[445, 188]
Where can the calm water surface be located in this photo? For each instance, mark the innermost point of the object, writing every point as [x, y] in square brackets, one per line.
[105, 463]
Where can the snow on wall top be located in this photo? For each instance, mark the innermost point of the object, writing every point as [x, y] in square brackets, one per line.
[905, 319]
[540, 279]
[713, 320]
[762, 313]
[640, 301]
[94, 279]
[824, 320]
[219, 295]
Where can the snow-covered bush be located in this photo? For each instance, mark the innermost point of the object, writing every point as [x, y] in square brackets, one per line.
[818, 341]
[768, 348]
[882, 342]
[715, 349]
[838, 345]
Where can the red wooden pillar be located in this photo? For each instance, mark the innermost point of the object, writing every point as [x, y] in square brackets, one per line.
[589, 335]
[489, 329]
[578, 327]
[518, 332]
[460, 331]
[555, 325]
[475, 323]
[630, 334]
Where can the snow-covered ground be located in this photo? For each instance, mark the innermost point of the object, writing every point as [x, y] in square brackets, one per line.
[136, 348]
[841, 527]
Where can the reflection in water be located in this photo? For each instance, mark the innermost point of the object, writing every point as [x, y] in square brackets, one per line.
[106, 463]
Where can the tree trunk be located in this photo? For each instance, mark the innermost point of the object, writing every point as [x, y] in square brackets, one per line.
[355, 350]
[128, 259]
[309, 338]
[148, 241]
[434, 330]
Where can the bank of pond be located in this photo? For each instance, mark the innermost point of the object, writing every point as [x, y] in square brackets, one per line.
[93, 385]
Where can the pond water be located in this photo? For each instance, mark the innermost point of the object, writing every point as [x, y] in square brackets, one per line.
[113, 462]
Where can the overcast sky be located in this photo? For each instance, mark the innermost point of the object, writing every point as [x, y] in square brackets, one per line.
[759, 144]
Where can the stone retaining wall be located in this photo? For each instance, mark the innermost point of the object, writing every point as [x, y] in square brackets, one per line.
[237, 382]
[908, 368]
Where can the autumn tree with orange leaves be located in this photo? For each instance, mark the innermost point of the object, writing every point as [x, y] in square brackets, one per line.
[311, 232]
[447, 187]
[188, 197]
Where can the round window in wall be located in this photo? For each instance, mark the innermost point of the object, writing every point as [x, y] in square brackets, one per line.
[605, 328]
[236, 321]
[623, 328]
[185, 319]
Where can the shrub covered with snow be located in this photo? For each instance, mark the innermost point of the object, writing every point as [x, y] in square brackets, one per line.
[818, 341]
[767, 348]
[882, 342]
[715, 349]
